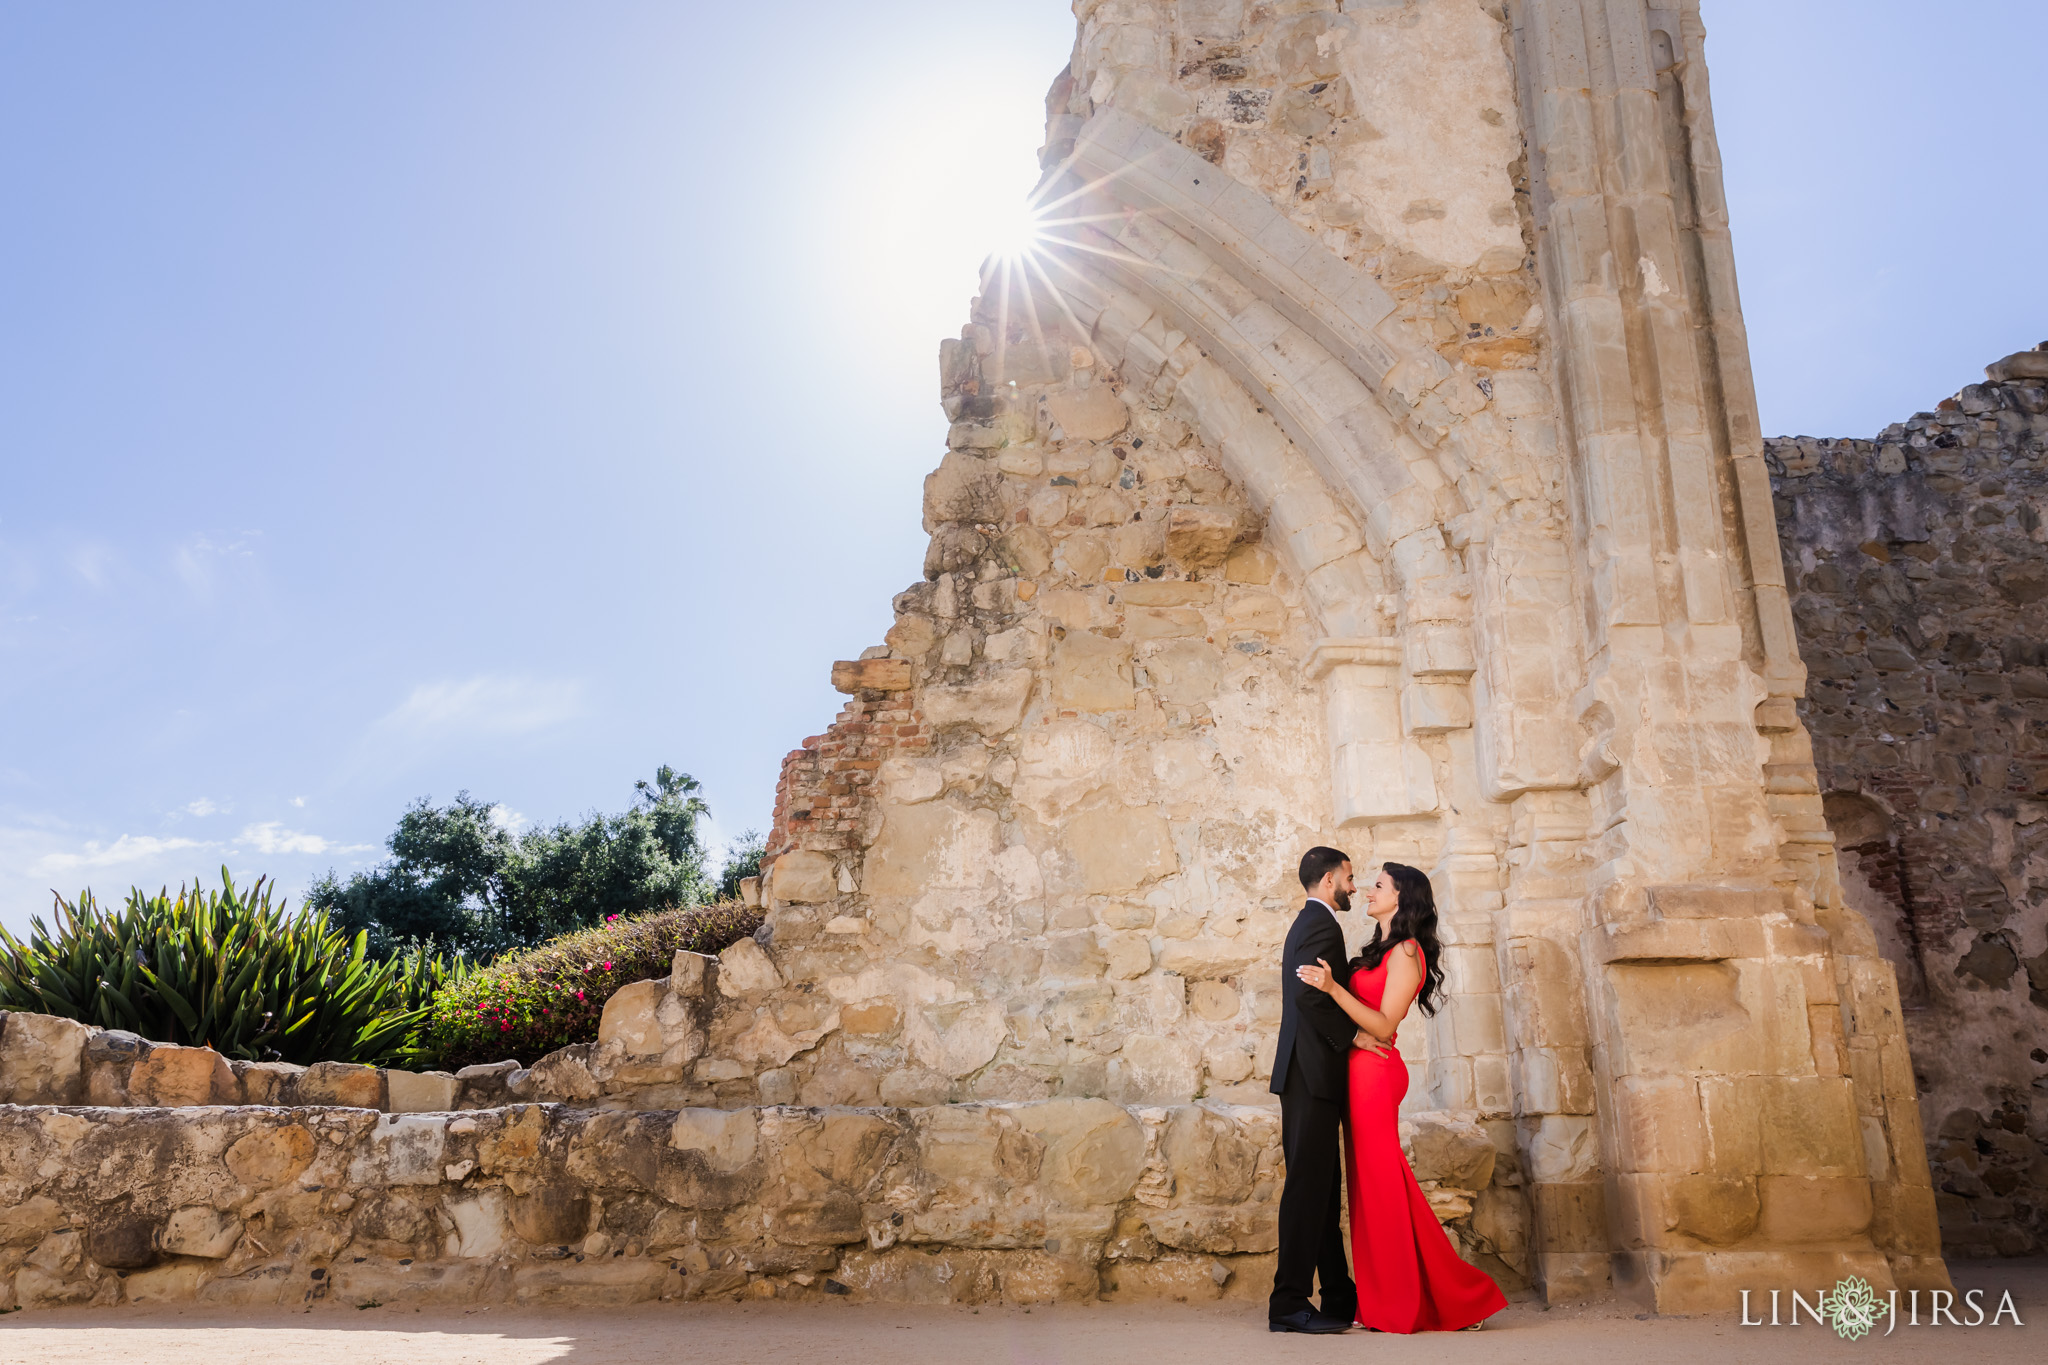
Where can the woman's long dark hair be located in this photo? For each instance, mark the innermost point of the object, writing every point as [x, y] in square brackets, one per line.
[1414, 917]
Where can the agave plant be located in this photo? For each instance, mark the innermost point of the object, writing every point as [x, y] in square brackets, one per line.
[227, 969]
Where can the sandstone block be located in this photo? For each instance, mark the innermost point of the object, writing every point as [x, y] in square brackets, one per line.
[1091, 414]
[1226, 1065]
[197, 1230]
[1174, 1278]
[1151, 1069]
[1808, 1125]
[962, 488]
[1209, 959]
[1094, 1149]
[2020, 365]
[744, 968]
[879, 675]
[27, 1223]
[1212, 1000]
[875, 1018]
[1661, 1125]
[834, 1220]
[628, 1020]
[1200, 537]
[342, 1084]
[1166, 593]
[122, 1237]
[1112, 848]
[172, 1076]
[267, 1082]
[914, 1087]
[484, 1083]
[965, 1044]
[1160, 623]
[482, 1227]
[1215, 1153]
[992, 705]
[688, 973]
[1249, 564]
[270, 1156]
[1717, 1210]
[803, 877]
[1449, 1148]
[179, 1281]
[401, 1149]
[1092, 673]
[1127, 956]
[1571, 1218]
[552, 1214]
[1217, 1230]
[1730, 1107]
[1808, 1209]
[727, 1140]
[42, 1059]
[1259, 612]
[110, 1054]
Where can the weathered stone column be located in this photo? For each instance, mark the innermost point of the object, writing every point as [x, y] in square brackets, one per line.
[1732, 1144]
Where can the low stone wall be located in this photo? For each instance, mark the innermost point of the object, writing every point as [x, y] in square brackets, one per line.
[47, 1060]
[1021, 1203]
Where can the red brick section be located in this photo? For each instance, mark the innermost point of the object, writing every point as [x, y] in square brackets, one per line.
[824, 785]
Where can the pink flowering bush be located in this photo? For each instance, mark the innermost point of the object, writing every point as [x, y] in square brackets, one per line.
[529, 1003]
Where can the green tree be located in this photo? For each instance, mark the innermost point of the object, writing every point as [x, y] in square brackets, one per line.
[742, 860]
[458, 877]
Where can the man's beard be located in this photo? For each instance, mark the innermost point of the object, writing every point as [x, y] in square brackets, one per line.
[1343, 899]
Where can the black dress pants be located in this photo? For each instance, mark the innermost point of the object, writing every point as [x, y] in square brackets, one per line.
[1311, 1205]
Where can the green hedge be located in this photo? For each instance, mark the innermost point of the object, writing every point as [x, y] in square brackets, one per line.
[226, 969]
[531, 1002]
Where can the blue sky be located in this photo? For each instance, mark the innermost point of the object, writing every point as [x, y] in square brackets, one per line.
[400, 399]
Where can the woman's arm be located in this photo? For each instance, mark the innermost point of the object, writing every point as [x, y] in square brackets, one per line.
[1404, 978]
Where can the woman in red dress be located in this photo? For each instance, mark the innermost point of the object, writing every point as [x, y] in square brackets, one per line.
[1410, 1279]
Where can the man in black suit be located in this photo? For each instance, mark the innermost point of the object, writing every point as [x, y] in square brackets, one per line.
[1311, 1072]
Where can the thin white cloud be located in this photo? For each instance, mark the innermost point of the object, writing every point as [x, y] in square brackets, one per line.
[124, 851]
[195, 560]
[299, 801]
[509, 820]
[486, 705]
[272, 838]
[203, 807]
[93, 562]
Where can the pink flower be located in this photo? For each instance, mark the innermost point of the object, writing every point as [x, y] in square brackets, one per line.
[579, 995]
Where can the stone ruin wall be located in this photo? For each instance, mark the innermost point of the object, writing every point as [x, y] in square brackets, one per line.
[1920, 579]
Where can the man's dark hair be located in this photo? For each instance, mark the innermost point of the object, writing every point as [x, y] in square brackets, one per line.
[1318, 863]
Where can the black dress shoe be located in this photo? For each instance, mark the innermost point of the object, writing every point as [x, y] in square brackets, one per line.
[1307, 1320]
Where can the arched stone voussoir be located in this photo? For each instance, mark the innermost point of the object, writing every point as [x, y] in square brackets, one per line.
[1157, 199]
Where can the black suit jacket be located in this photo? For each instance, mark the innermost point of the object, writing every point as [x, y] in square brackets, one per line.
[1313, 1030]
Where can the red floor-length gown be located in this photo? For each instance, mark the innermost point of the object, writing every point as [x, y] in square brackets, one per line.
[1410, 1279]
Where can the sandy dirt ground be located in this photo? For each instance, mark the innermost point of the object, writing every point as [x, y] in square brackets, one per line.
[1601, 1333]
